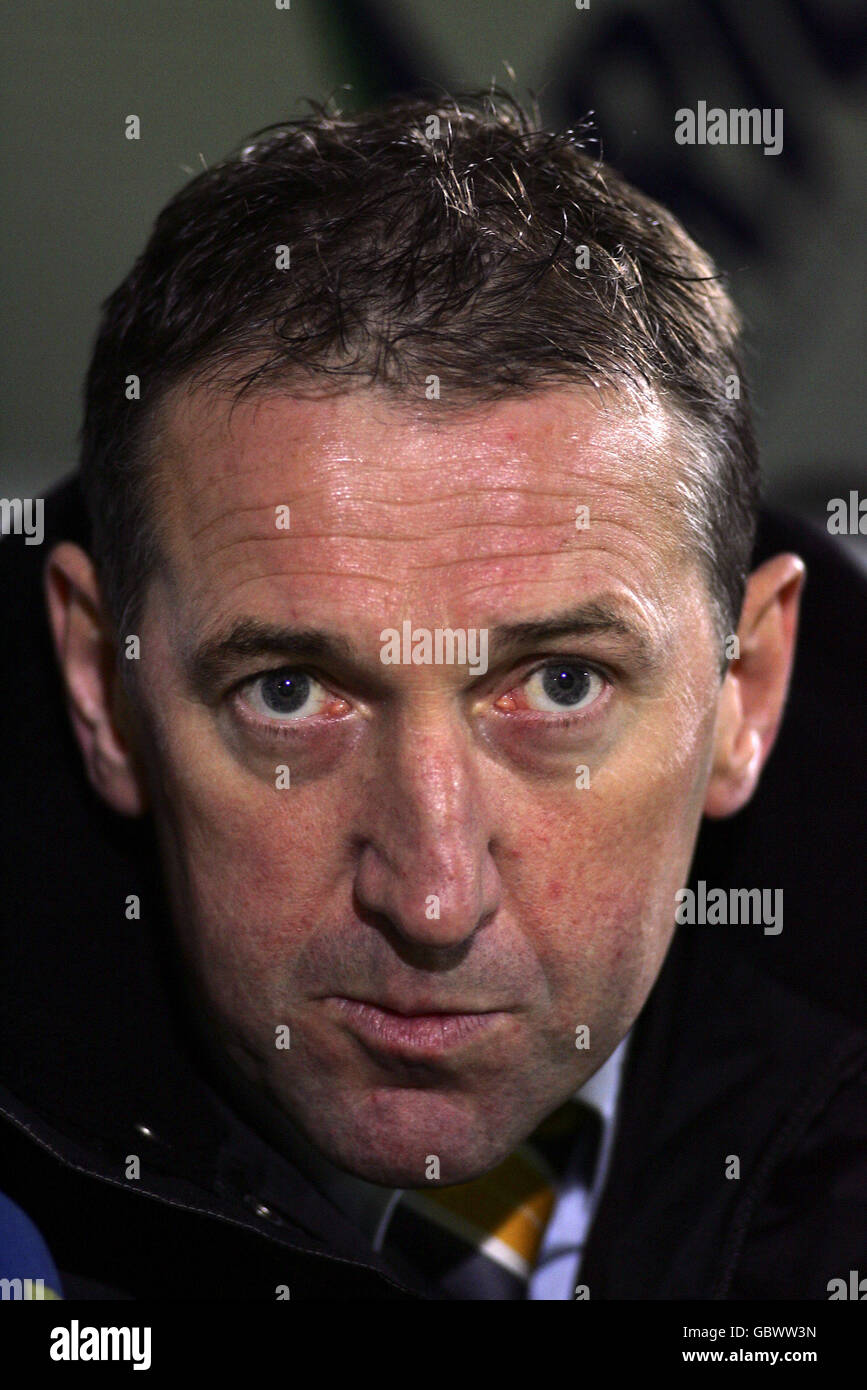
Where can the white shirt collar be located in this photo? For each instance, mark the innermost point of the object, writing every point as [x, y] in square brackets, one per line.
[603, 1088]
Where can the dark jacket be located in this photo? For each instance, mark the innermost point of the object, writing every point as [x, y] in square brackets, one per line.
[750, 1045]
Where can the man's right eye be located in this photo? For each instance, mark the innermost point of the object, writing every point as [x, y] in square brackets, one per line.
[285, 694]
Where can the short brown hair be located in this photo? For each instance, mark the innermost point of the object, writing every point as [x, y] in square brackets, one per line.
[424, 238]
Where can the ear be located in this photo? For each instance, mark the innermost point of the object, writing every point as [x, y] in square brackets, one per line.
[98, 704]
[754, 690]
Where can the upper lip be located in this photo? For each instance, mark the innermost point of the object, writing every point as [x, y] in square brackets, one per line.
[417, 1009]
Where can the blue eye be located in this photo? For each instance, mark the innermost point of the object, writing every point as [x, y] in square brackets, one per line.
[565, 685]
[285, 694]
[562, 686]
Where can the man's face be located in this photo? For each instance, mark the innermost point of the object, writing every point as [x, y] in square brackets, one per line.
[467, 867]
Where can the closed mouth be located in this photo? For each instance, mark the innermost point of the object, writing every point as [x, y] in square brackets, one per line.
[425, 1030]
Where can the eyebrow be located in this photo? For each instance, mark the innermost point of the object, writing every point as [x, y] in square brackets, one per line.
[216, 659]
[596, 618]
[249, 638]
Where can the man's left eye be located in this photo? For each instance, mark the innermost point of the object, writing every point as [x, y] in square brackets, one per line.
[562, 687]
[286, 694]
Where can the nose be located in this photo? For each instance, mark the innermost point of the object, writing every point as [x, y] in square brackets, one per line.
[425, 860]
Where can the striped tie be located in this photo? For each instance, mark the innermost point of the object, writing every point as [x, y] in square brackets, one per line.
[481, 1239]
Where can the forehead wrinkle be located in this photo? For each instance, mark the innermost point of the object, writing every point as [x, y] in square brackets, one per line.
[426, 565]
[493, 556]
[486, 496]
[222, 516]
[619, 495]
[578, 454]
[277, 575]
[283, 537]
[527, 525]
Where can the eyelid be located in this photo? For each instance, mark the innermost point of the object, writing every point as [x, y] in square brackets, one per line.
[567, 659]
[595, 668]
[565, 716]
[296, 669]
[250, 682]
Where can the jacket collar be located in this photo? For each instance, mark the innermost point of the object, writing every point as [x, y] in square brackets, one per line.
[727, 1062]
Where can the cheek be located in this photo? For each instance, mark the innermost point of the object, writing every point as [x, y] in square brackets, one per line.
[600, 886]
[250, 870]
[600, 942]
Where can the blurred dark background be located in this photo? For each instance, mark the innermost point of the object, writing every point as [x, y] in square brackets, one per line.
[788, 229]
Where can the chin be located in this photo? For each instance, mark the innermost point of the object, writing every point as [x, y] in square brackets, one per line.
[402, 1137]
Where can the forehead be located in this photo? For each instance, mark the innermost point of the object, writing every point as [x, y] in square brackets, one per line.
[391, 506]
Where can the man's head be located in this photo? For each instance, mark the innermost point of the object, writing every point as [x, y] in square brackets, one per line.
[454, 378]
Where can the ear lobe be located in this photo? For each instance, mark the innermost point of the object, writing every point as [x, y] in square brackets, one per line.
[96, 701]
[753, 694]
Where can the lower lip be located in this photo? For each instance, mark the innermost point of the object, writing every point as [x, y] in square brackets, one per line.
[427, 1033]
